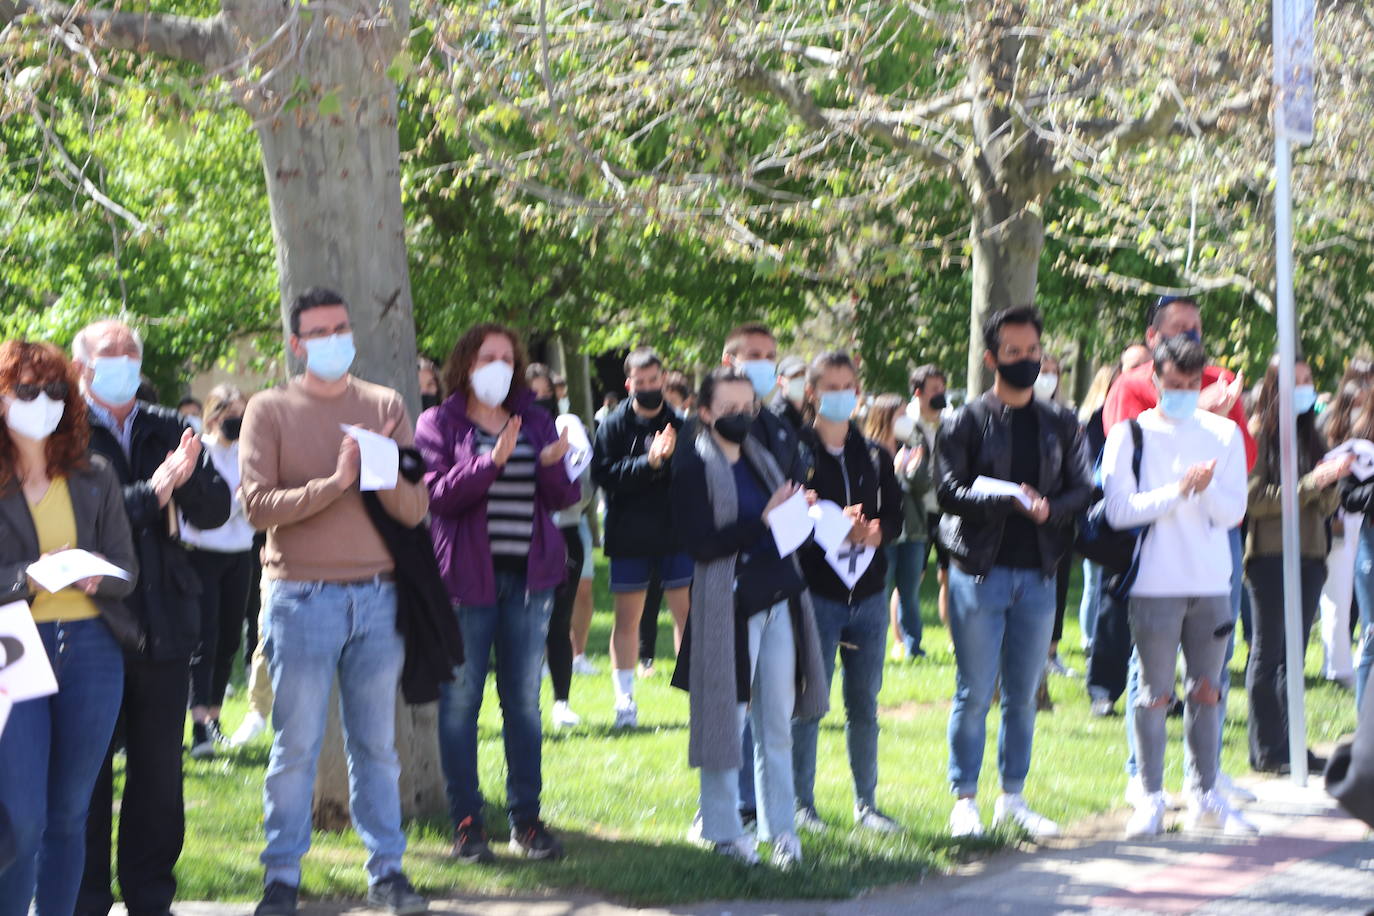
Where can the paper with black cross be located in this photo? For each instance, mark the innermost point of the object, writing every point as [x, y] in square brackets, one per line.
[850, 561]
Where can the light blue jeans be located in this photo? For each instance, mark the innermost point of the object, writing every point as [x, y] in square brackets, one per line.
[1133, 673]
[315, 631]
[1364, 595]
[905, 568]
[1001, 624]
[859, 632]
[772, 697]
[1091, 602]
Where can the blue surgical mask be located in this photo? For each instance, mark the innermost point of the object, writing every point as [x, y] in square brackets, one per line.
[1178, 405]
[1194, 335]
[116, 379]
[763, 374]
[328, 358]
[1304, 399]
[838, 406]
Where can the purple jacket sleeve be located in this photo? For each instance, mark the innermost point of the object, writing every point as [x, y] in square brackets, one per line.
[456, 478]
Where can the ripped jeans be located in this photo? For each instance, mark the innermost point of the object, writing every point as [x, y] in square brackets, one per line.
[1201, 626]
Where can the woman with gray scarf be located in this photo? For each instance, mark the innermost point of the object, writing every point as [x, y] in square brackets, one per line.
[751, 643]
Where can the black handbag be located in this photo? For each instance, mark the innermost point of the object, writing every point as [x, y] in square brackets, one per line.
[1115, 550]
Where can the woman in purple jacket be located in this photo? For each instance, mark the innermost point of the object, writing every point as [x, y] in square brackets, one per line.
[495, 478]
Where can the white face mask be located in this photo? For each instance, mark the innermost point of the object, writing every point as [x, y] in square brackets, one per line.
[902, 428]
[1047, 384]
[491, 383]
[564, 405]
[796, 389]
[36, 419]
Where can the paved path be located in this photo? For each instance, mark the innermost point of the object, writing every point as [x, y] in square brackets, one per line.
[1310, 859]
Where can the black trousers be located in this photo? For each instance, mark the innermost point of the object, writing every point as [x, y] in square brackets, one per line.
[1061, 594]
[225, 579]
[1266, 672]
[648, 621]
[558, 647]
[1111, 657]
[152, 819]
[250, 631]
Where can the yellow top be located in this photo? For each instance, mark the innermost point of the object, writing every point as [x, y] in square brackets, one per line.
[56, 525]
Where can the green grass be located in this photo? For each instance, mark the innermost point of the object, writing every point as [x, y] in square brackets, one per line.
[622, 802]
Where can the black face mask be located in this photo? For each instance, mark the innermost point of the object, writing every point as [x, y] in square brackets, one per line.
[734, 427]
[549, 404]
[649, 400]
[231, 428]
[429, 400]
[1020, 374]
[938, 401]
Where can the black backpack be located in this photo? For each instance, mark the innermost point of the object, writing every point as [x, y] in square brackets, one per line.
[1117, 551]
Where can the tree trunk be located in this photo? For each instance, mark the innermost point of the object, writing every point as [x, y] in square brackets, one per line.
[1006, 257]
[326, 120]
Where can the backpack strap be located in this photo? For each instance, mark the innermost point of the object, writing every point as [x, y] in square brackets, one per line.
[1138, 440]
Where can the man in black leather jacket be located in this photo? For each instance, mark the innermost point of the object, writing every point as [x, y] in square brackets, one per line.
[1005, 540]
[165, 476]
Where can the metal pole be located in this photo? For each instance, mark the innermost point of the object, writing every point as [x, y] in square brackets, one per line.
[1288, 457]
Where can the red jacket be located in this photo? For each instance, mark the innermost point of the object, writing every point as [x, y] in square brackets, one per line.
[1134, 393]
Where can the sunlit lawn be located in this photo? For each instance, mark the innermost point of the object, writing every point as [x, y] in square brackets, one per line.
[623, 802]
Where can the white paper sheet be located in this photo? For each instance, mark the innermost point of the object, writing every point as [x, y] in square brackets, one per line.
[380, 459]
[1363, 450]
[58, 570]
[832, 525]
[790, 523]
[579, 455]
[850, 562]
[994, 487]
[31, 676]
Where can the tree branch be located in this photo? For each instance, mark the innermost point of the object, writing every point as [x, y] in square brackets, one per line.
[187, 38]
[1166, 117]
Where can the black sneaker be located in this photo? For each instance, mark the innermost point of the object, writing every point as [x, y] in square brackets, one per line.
[215, 733]
[533, 841]
[202, 745]
[749, 818]
[395, 893]
[278, 899]
[470, 843]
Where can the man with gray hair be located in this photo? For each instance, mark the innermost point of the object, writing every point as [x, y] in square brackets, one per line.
[163, 471]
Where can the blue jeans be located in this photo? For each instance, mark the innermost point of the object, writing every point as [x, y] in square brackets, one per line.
[1364, 595]
[315, 631]
[905, 566]
[1000, 624]
[862, 628]
[517, 626]
[1091, 602]
[50, 755]
[1133, 674]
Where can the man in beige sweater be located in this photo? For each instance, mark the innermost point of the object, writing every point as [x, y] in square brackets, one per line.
[331, 604]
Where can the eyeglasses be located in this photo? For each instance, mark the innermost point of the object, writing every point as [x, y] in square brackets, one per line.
[55, 390]
[321, 333]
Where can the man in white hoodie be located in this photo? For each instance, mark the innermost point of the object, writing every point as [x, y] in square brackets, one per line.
[1191, 493]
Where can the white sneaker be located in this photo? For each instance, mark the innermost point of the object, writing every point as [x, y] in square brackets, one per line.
[544, 674]
[1103, 707]
[627, 717]
[741, 849]
[808, 820]
[1136, 794]
[694, 831]
[965, 820]
[1148, 819]
[870, 818]
[251, 726]
[582, 666]
[563, 716]
[1233, 792]
[787, 851]
[1012, 807]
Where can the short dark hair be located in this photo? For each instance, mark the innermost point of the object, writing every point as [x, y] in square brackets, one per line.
[313, 298]
[716, 377]
[923, 374]
[735, 338]
[1155, 314]
[1182, 351]
[642, 358]
[677, 383]
[1017, 314]
[189, 401]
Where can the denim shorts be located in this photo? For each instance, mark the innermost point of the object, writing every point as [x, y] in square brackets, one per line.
[633, 574]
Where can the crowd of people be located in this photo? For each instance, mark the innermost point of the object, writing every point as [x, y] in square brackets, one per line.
[251, 514]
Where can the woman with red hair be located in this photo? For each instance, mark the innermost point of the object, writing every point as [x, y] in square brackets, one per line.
[55, 495]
